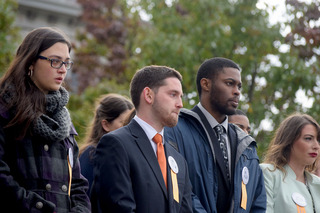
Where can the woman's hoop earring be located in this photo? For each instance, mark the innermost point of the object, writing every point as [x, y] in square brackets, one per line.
[30, 73]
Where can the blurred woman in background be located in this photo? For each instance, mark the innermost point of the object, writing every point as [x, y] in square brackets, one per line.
[110, 114]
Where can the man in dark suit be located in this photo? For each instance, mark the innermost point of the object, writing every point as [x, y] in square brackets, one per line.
[135, 169]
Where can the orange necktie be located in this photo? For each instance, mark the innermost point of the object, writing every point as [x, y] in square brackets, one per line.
[161, 156]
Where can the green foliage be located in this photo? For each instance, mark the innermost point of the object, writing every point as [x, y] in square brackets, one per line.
[185, 33]
[304, 41]
[8, 33]
[182, 34]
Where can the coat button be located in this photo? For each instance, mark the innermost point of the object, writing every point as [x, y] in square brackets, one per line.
[46, 147]
[39, 205]
[64, 188]
[48, 187]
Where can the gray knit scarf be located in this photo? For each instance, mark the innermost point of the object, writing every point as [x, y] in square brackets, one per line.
[55, 124]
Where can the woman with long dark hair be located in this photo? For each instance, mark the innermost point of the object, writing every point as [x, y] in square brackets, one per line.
[39, 166]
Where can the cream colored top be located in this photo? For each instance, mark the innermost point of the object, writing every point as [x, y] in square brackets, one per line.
[283, 194]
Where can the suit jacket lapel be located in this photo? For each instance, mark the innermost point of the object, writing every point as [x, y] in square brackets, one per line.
[169, 182]
[233, 145]
[147, 151]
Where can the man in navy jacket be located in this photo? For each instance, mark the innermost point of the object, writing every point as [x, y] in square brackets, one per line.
[218, 186]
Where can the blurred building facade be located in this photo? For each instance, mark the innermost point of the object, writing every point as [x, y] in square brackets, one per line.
[64, 14]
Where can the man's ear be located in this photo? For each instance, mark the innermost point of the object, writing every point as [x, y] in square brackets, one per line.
[205, 84]
[105, 125]
[148, 95]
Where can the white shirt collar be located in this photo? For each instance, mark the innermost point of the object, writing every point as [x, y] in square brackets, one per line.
[148, 129]
[212, 121]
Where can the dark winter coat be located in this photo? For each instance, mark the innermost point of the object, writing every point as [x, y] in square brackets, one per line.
[34, 174]
[194, 144]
